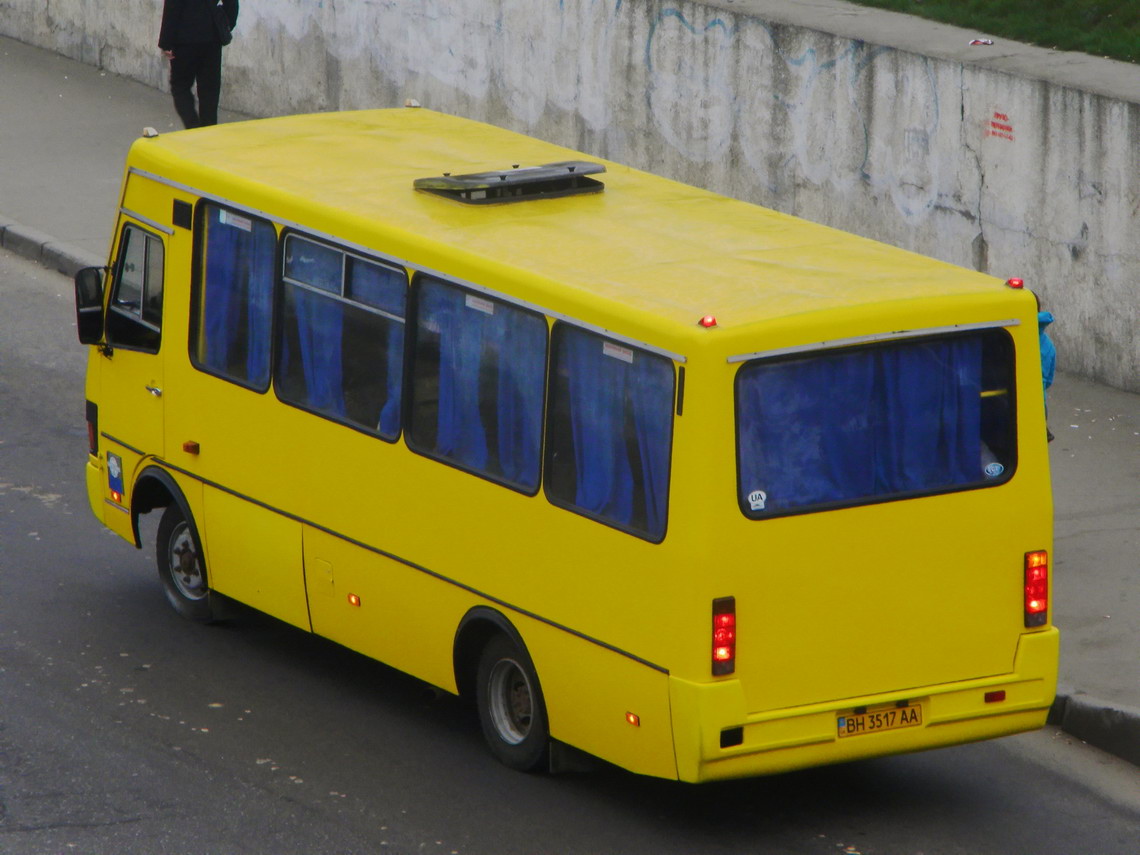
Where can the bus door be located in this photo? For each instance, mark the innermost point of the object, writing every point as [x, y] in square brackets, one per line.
[225, 420]
[131, 413]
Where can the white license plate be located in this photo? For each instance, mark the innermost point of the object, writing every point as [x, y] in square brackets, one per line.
[877, 719]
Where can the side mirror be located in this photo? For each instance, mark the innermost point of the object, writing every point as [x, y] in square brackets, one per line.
[89, 304]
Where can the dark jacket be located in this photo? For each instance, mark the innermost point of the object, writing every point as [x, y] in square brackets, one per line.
[191, 22]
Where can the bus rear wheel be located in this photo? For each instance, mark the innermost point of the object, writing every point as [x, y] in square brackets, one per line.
[181, 566]
[511, 710]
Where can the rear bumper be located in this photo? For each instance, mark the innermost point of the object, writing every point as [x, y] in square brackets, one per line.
[782, 740]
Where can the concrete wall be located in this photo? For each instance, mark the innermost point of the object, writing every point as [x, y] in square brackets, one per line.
[1013, 160]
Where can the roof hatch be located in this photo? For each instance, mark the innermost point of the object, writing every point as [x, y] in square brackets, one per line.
[549, 181]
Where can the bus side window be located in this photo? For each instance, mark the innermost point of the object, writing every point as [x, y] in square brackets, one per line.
[342, 336]
[135, 317]
[609, 431]
[232, 306]
[478, 380]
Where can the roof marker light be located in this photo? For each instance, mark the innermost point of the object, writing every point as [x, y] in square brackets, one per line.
[708, 321]
[1015, 283]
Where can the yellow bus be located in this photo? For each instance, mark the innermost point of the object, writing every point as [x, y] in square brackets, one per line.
[692, 486]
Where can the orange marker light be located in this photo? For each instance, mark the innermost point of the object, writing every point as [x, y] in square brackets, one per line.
[633, 718]
[353, 600]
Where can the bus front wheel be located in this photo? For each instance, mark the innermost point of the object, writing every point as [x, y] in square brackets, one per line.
[181, 566]
[511, 710]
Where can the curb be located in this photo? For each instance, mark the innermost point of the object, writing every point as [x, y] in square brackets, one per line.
[1114, 728]
[43, 248]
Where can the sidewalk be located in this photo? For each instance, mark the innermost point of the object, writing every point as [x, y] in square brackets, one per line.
[64, 133]
[65, 129]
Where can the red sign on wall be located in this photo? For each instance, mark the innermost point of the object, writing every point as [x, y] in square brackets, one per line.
[1000, 126]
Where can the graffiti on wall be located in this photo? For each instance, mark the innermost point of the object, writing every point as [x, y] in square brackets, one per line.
[715, 83]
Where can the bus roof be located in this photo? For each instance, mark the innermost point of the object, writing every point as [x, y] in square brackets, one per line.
[667, 252]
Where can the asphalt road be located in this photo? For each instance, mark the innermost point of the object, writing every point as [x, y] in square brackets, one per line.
[124, 729]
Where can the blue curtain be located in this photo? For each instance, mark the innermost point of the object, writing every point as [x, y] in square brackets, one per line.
[460, 434]
[848, 425]
[314, 264]
[509, 343]
[320, 330]
[609, 398]
[650, 385]
[319, 322]
[238, 285]
[221, 299]
[385, 289]
[933, 391]
[522, 383]
[597, 426]
[379, 287]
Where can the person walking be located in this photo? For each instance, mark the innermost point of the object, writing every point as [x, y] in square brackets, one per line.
[191, 38]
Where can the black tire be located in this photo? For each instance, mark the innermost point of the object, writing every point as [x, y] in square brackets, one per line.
[181, 566]
[512, 712]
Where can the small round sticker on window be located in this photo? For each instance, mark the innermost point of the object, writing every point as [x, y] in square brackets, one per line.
[993, 470]
[757, 499]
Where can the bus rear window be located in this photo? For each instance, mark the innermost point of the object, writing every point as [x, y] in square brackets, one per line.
[876, 423]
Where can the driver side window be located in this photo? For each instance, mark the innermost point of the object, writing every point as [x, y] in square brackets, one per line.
[134, 317]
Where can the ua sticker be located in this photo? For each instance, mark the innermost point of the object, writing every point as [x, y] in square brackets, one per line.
[757, 499]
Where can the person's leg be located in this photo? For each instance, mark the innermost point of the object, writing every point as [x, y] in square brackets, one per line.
[182, 72]
[209, 83]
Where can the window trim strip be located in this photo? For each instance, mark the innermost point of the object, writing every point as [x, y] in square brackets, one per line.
[346, 301]
[154, 224]
[897, 335]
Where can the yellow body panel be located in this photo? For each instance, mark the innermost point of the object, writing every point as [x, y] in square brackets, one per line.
[255, 556]
[378, 621]
[915, 600]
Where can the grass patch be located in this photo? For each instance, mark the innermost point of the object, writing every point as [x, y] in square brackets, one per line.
[1109, 28]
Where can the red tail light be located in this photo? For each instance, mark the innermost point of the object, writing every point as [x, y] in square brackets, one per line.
[93, 428]
[1036, 588]
[724, 636]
